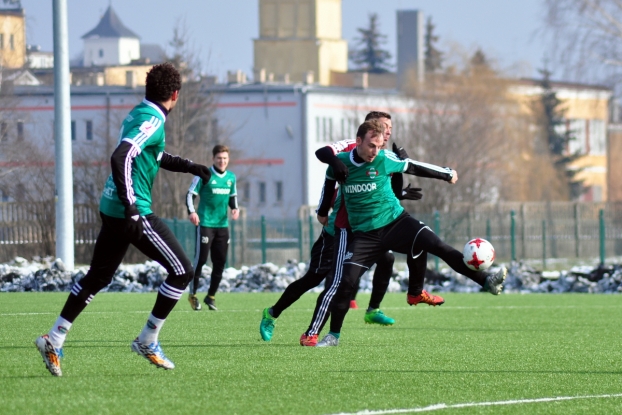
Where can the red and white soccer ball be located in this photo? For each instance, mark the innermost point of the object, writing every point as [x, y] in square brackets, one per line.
[478, 254]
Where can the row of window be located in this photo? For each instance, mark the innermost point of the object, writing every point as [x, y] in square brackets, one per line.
[325, 133]
[88, 130]
[11, 44]
[262, 192]
[5, 131]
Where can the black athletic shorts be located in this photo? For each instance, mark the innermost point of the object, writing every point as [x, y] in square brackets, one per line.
[322, 253]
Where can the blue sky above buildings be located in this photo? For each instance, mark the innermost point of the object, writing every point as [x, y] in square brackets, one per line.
[222, 31]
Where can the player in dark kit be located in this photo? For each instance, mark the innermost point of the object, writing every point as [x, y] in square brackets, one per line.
[379, 223]
[213, 233]
[127, 218]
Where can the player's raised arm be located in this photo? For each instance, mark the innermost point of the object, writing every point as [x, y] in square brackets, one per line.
[417, 168]
[328, 155]
[178, 165]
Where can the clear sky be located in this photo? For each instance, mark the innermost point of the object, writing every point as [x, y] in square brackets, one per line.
[222, 30]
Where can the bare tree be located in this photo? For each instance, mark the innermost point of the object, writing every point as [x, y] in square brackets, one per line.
[191, 129]
[586, 37]
[467, 119]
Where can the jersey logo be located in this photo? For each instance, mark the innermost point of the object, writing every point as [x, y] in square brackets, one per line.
[359, 188]
[221, 191]
[213, 181]
[229, 183]
[348, 255]
[147, 127]
[372, 173]
[204, 239]
[160, 155]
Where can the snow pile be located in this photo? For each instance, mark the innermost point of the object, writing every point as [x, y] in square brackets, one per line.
[47, 274]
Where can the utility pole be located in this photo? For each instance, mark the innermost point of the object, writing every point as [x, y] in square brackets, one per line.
[62, 131]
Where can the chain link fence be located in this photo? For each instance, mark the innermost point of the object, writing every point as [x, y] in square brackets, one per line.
[517, 231]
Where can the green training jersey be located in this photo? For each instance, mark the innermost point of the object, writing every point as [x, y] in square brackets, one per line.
[214, 196]
[369, 198]
[143, 128]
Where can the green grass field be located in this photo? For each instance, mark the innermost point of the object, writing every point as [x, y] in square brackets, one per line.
[474, 349]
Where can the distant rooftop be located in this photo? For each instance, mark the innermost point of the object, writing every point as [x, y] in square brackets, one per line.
[110, 26]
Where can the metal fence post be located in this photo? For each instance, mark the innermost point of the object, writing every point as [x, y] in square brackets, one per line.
[577, 231]
[300, 240]
[233, 240]
[601, 221]
[513, 233]
[437, 230]
[263, 239]
[311, 236]
[488, 231]
[543, 244]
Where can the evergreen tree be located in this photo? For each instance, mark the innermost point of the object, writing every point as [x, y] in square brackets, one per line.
[557, 137]
[369, 55]
[479, 59]
[433, 56]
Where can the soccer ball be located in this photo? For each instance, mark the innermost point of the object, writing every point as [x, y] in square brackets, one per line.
[478, 254]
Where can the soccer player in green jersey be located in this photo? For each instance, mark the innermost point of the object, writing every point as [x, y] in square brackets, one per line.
[213, 233]
[127, 218]
[379, 223]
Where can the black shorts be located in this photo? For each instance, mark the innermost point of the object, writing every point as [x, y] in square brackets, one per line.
[322, 253]
[402, 235]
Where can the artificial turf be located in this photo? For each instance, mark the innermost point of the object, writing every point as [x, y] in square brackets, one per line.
[475, 348]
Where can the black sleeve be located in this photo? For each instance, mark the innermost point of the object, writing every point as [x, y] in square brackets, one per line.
[325, 155]
[190, 202]
[328, 191]
[175, 163]
[397, 182]
[233, 202]
[430, 171]
[121, 164]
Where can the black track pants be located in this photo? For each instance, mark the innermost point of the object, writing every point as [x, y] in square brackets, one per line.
[213, 241]
[158, 243]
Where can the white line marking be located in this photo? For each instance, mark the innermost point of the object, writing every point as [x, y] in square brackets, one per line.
[442, 406]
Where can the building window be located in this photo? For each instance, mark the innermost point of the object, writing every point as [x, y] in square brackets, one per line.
[12, 42]
[73, 131]
[89, 130]
[279, 191]
[317, 129]
[214, 129]
[324, 129]
[20, 130]
[1, 40]
[246, 191]
[262, 192]
[101, 53]
[4, 130]
[3, 196]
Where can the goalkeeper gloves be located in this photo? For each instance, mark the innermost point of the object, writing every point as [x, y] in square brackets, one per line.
[400, 152]
[411, 193]
[340, 170]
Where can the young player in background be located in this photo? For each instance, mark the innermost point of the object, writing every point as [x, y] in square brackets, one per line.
[212, 223]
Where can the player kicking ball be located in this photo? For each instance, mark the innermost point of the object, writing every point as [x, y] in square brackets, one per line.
[379, 223]
[127, 218]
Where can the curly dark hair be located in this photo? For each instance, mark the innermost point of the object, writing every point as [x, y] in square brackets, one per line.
[162, 81]
[374, 115]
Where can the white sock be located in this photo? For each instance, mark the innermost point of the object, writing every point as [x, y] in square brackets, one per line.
[58, 333]
[151, 330]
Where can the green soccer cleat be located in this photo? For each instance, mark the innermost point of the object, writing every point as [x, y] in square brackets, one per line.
[266, 328]
[377, 317]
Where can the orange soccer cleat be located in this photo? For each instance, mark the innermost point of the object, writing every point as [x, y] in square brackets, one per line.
[425, 297]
